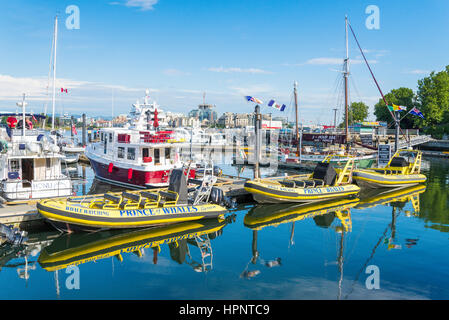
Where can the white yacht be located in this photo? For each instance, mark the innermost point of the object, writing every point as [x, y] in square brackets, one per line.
[140, 155]
[30, 162]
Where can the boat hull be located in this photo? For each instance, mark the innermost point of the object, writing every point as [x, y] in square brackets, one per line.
[139, 180]
[69, 217]
[373, 179]
[271, 193]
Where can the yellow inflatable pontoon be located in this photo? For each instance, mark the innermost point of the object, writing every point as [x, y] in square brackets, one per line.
[136, 209]
[325, 183]
[126, 210]
[402, 170]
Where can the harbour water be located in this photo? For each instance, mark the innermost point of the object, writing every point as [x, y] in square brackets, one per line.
[385, 246]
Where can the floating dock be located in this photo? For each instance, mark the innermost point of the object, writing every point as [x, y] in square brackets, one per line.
[21, 214]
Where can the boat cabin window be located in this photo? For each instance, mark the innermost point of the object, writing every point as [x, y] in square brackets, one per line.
[121, 152]
[110, 137]
[101, 136]
[131, 153]
[167, 153]
[48, 163]
[157, 156]
[145, 153]
[14, 166]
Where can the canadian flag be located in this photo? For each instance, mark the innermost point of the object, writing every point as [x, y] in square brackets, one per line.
[64, 90]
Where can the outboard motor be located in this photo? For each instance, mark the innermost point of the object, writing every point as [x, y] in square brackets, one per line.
[326, 172]
[12, 236]
[216, 196]
[178, 184]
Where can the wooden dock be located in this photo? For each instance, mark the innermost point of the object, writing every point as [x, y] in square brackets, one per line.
[21, 214]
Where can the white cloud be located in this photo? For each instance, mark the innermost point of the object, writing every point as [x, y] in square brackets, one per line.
[239, 70]
[174, 72]
[144, 5]
[418, 71]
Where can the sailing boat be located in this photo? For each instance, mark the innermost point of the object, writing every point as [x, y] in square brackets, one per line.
[307, 154]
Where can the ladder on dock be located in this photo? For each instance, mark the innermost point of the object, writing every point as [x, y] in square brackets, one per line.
[203, 193]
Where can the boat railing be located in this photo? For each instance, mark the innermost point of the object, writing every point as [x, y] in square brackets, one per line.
[32, 190]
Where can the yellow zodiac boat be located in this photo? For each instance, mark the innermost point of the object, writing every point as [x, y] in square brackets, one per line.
[76, 249]
[275, 214]
[130, 209]
[325, 183]
[402, 170]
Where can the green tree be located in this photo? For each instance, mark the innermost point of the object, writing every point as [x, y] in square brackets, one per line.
[433, 102]
[357, 112]
[401, 97]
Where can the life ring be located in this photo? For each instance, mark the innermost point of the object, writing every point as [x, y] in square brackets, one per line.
[11, 122]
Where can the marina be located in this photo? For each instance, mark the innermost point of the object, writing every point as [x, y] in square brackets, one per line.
[399, 230]
[159, 159]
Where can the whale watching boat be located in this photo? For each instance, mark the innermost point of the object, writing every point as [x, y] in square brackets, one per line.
[30, 161]
[402, 170]
[139, 208]
[325, 183]
[140, 155]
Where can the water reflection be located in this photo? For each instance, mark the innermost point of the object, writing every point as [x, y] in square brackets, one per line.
[80, 248]
[323, 213]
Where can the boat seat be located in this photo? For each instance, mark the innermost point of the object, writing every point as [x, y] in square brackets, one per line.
[111, 201]
[195, 181]
[309, 183]
[399, 162]
[288, 183]
[130, 201]
[169, 198]
[300, 183]
[149, 200]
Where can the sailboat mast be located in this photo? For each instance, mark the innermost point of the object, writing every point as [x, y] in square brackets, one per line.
[346, 75]
[23, 116]
[54, 73]
[295, 91]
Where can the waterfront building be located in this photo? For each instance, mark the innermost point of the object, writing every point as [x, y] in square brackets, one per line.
[205, 111]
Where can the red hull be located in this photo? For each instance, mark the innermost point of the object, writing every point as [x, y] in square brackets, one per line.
[138, 178]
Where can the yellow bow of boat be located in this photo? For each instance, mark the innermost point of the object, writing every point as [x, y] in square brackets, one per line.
[325, 183]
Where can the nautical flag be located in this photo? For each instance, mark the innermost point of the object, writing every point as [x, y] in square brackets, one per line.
[276, 105]
[64, 90]
[397, 108]
[416, 112]
[74, 130]
[255, 100]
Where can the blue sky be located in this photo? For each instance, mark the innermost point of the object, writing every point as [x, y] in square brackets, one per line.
[228, 49]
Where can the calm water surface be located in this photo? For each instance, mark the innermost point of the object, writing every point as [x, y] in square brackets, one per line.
[265, 252]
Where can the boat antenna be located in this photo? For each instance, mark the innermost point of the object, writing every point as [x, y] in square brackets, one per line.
[295, 91]
[346, 75]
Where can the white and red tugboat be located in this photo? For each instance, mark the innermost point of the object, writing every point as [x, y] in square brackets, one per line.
[139, 156]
